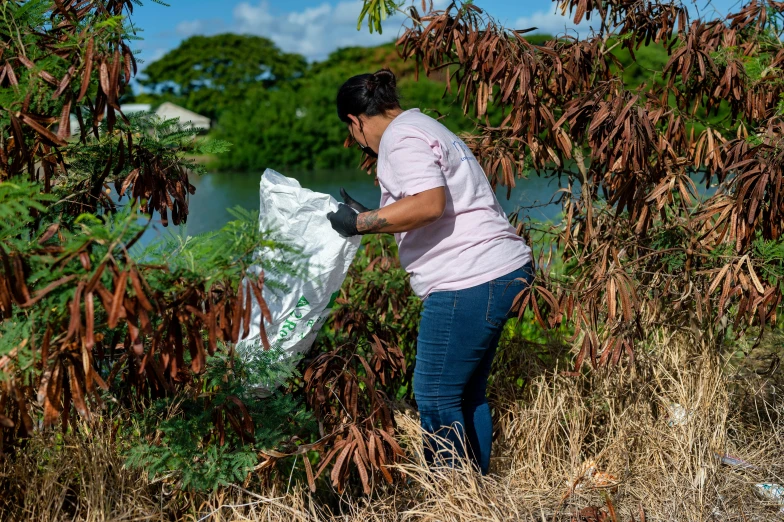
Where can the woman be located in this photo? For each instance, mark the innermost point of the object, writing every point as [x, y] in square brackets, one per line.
[464, 258]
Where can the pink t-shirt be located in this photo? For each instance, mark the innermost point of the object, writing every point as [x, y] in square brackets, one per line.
[473, 242]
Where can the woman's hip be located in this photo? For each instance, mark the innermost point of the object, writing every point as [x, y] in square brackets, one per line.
[464, 323]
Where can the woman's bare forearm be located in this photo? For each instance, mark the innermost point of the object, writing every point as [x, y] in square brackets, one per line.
[407, 214]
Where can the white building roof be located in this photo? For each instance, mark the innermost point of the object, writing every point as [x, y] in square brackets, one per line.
[166, 110]
[187, 118]
[128, 108]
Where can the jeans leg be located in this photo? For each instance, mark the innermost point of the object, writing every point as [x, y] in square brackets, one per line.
[476, 410]
[438, 399]
[458, 335]
[454, 340]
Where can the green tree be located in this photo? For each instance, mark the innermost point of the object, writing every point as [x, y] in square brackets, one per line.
[208, 74]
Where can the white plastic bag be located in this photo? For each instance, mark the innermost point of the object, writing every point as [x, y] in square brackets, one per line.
[298, 216]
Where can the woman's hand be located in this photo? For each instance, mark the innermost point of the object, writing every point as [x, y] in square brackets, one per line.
[409, 213]
[344, 221]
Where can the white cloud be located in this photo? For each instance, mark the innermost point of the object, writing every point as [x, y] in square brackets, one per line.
[189, 27]
[553, 23]
[313, 32]
[157, 53]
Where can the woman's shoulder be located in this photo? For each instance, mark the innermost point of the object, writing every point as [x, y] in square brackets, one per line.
[414, 117]
[415, 124]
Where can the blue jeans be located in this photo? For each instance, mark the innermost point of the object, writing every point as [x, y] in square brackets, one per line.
[458, 336]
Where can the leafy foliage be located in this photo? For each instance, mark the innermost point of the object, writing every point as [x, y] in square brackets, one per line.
[85, 316]
[376, 12]
[19, 202]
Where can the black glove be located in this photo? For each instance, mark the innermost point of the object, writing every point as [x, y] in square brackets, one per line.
[351, 202]
[344, 221]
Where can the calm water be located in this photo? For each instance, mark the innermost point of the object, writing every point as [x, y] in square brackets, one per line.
[217, 192]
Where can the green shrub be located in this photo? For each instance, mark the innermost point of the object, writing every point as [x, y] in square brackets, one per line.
[215, 434]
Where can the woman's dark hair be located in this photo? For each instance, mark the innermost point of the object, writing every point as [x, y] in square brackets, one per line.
[369, 94]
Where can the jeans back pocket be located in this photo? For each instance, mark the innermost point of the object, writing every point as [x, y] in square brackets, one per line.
[503, 292]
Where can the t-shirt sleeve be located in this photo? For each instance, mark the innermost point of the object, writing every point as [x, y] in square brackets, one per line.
[414, 166]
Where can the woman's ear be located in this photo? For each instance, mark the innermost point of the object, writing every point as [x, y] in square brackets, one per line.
[354, 119]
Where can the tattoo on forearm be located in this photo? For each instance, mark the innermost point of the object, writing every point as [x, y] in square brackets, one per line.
[371, 222]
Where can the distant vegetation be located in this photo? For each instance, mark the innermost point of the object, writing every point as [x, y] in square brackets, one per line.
[285, 117]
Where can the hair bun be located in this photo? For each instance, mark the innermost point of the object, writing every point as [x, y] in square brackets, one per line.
[371, 84]
[368, 94]
[384, 77]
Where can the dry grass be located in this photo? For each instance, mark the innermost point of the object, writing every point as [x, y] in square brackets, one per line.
[619, 425]
[623, 422]
[74, 477]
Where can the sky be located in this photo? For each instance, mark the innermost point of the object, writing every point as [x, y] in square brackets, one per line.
[314, 28]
